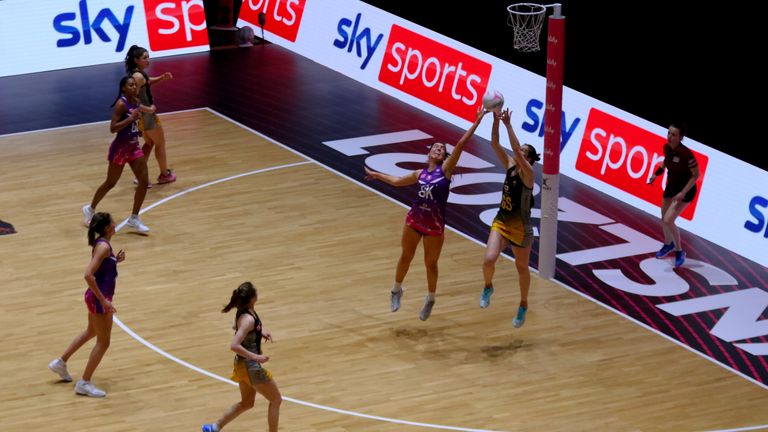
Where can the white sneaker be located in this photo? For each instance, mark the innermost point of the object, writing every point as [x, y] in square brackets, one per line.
[88, 213]
[135, 223]
[59, 367]
[426, 311]
[86, 388]
[394, 299]
[136, 182]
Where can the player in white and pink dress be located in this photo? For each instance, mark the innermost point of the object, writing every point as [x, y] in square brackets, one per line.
[426, 219]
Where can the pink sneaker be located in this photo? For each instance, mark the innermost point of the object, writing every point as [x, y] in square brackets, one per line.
[167, 177]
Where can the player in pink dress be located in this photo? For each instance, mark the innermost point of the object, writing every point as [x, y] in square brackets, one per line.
[101, 276]
[124, 149]
[426, 219]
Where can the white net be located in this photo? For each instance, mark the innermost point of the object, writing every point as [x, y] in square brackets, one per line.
[526, 20]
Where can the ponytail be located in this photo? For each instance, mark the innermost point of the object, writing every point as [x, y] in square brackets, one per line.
[131, 67]
[241, 297]
[134, 52]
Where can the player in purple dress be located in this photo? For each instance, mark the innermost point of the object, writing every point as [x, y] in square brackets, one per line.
[426, 219]
[101, 275]
[124, 149]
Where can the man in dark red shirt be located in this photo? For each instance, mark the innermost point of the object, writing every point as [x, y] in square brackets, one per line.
[682, 173]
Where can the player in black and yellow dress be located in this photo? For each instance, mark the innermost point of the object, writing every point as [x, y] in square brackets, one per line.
[248, 371]
[512, 225]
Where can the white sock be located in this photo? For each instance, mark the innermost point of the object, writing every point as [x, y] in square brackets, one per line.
[397, 287]
[432, 296]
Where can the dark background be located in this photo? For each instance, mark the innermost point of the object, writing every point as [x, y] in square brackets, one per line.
[663, 61]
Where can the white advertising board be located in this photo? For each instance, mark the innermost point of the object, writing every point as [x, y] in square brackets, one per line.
[602, 146]
[43, 35]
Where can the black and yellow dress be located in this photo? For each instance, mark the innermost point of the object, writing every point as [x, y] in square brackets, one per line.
[513, 221]
[248, 371]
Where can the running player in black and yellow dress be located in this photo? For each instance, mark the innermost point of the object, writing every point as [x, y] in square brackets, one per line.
[248, 371]
[512, 225]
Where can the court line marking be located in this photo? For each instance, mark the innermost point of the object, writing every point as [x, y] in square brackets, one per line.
[56, 128]
[296, 401]
[310, 160]
[748, 428]
[211, 183]
[508, 257]
[217, 377]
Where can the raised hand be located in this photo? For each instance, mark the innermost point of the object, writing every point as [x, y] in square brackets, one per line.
[506, 116]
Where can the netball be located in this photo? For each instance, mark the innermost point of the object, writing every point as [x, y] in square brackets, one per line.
[493, 100]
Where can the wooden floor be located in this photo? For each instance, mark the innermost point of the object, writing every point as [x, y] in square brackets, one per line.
[321, 250]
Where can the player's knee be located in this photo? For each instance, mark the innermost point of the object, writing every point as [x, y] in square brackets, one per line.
[431, 264]
[103, 341]
[522, 266]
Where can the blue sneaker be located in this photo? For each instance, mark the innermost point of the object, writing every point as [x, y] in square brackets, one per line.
[211, 427]
[679, 258]
[520, 317]
[485, 297]
[665, 250]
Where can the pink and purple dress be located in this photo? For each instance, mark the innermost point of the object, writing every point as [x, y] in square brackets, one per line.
[106, 277]
[125, 147]
[427, 214]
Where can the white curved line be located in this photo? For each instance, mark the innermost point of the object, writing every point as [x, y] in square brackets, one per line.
[296, 401]
[457, 231]
[211, 183]
[748, 428]
[222, 379]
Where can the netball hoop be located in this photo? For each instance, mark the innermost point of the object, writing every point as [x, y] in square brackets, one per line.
[527, 19]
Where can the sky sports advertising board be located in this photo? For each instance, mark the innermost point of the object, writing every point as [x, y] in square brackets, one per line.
[602, 146]
[44, 35]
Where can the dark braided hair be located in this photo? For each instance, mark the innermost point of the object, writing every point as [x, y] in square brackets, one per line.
[123, 82]
[99, 224]
[241, 297]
